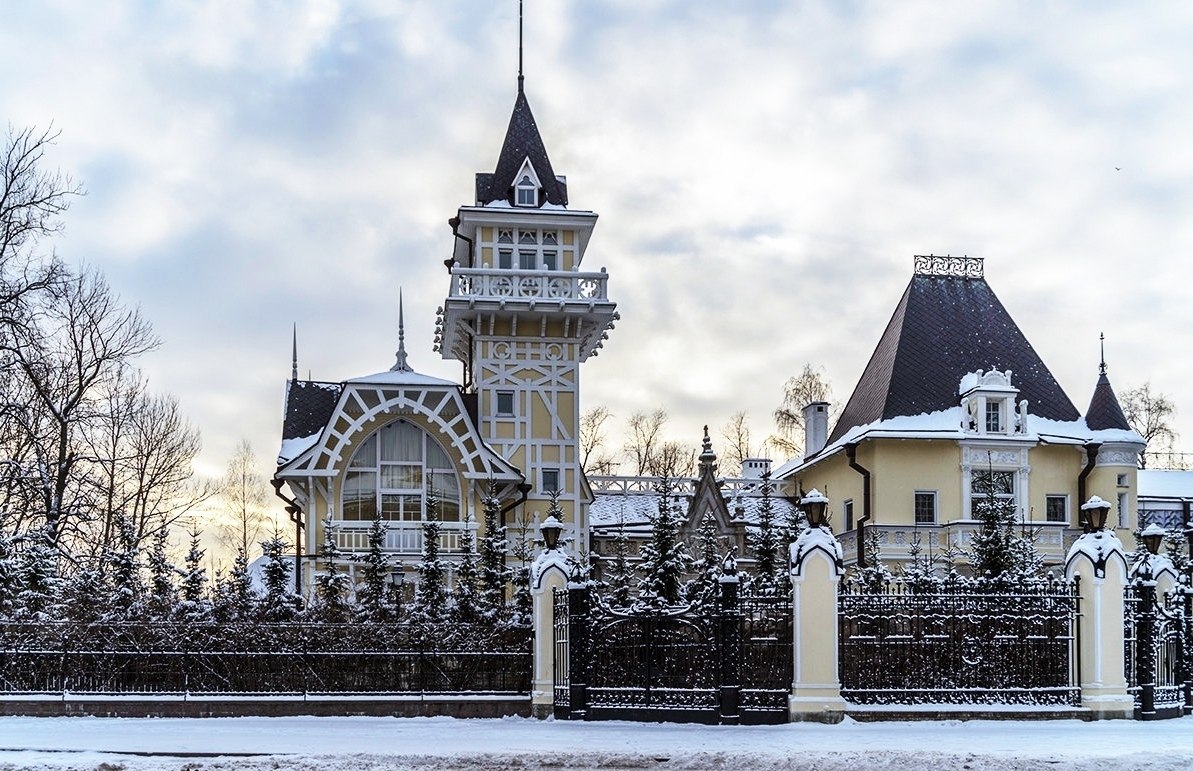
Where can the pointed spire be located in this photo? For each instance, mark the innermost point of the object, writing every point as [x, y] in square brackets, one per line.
[520, 78]
[708, 458]
[1104, 410]
[400, 365]
[294, 355]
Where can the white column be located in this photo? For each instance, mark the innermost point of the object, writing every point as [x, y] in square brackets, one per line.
[1099, 561]
[548, 573]
[816, 569]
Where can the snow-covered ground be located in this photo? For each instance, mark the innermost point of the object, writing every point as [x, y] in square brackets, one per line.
[364, 744]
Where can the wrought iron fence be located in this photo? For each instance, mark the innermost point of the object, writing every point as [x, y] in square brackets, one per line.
[1153, 651]
[731, 663]
[960, 643]
[259, 659]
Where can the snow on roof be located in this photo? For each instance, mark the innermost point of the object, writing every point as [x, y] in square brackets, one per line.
[946, 424]
[634, 510]
[292, 448]
[390, 377]
[1163, 483]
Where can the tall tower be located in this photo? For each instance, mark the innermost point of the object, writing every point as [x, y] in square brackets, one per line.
[521, 316]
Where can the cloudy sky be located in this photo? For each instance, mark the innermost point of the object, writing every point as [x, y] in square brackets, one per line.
[763, 172]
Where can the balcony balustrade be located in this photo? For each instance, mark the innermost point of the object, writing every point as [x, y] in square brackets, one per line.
[528, 285]
[400, 537]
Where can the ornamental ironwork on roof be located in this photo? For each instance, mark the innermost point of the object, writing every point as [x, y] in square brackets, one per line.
[948, 265]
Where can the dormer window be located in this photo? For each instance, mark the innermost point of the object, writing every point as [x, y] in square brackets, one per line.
[527, 192]
[994, 423]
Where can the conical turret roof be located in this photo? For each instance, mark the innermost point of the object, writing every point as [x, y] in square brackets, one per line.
[1104, 410]
[522, 141]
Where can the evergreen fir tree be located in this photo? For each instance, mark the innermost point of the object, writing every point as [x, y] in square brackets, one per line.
[704, 591]
[234, 594]
[919, 572]
[523, 553]
[278, 603]
[997, 552]
[875, 576]
[430, 599]
[465, 594]
[665, 557]
[376, 599]
[331, 583]
[40, 586]
[492, 574]
[619, 576]
[765, 541]
[194, 605]
[80, 593]
[124, 571]
[163, 597]
[10, 577]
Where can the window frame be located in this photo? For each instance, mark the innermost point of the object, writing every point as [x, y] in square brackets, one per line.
[397, 486]
[934, 498]
[545, 475]
[501, 410]
[1049, 499]
[847, 514]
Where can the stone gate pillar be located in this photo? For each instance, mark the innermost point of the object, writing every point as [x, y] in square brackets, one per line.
[548, 572]
[816, 570]
[1100, 563]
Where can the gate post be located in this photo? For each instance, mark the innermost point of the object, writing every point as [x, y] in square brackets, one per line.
[1098, 558]
[548, 572]
[816, 570]
[579, 661]
[730, 634]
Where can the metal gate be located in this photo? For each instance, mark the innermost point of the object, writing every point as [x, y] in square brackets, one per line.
[731, 664]
[1154, 646]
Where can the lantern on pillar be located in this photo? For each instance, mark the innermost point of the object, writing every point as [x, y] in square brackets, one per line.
[815, 507]
[1095, 510]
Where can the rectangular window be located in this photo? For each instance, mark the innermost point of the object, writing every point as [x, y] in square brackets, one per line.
[550, 261]
[505, 259]
[1056, 508]
[1122, 510]
[993, 418]
[984, 482]
[847, 510]
[551, 480]
[1122, 480]
[925, 507]
[527, 196]
[526, 260]
[505, 402]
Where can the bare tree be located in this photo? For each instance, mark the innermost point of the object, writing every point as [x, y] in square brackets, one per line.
[673, 460]
[595, 458]
[244, 495]
[1150, 413]
[645, 440]
[799, 391]
[737, 444]
[76, 343]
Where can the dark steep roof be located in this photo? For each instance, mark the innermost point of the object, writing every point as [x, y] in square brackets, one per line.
[309, 405]
[1104, 410]
[943, 328]
[522, 141]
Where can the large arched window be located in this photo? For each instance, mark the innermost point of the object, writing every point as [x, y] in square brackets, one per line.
[394, 470]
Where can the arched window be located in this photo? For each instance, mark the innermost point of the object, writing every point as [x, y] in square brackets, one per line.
[394, 470]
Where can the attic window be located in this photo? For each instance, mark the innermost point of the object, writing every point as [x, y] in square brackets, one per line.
[526, 193]
[994, 423]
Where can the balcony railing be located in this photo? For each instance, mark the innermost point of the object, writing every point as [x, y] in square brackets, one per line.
[529, 285]
[894, 541]
[647, 485]
[400, 537]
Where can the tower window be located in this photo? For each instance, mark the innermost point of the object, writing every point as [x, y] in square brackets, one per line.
[551, 480]
[505, 259]
[505, 402]
[526, 192]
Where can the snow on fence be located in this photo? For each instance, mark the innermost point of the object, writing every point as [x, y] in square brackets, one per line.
[261, 659]
[1154, 649]
[960, 642]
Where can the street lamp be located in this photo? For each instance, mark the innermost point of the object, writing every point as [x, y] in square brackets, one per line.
[1095, 510]
[815, 506]
[1151, 536]
[550, 530]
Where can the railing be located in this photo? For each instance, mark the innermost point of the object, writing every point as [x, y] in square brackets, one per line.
[895, 541]
[400, 537]
[960, 644]
[1153, 647]
[648, 485]
[532, 285]
[257, 659]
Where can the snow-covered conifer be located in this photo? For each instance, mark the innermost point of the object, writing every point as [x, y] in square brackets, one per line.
[765, 543]
[492, 574]
[124, 570]
[374, 596]
[331, 583]
[234, 594]
[163, 596]
[465, 599]
[703, 591]
[195, 605]
[278, 602]
[41, 585]
[10, 577]
[665, 557]
[619, 575]
[997, 552]
[875, 576]
[430, 599]
[522, 553]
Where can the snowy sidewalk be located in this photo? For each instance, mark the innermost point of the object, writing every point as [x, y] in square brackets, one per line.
[360, 744]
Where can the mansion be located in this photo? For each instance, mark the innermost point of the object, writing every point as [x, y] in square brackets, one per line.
[954, 399]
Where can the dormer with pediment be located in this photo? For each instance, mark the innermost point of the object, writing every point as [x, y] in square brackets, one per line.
[989, 405]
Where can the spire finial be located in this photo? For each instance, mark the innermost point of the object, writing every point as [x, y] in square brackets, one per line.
[400, 365]
[520, 46]
[294, 355]
[1102, 344]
